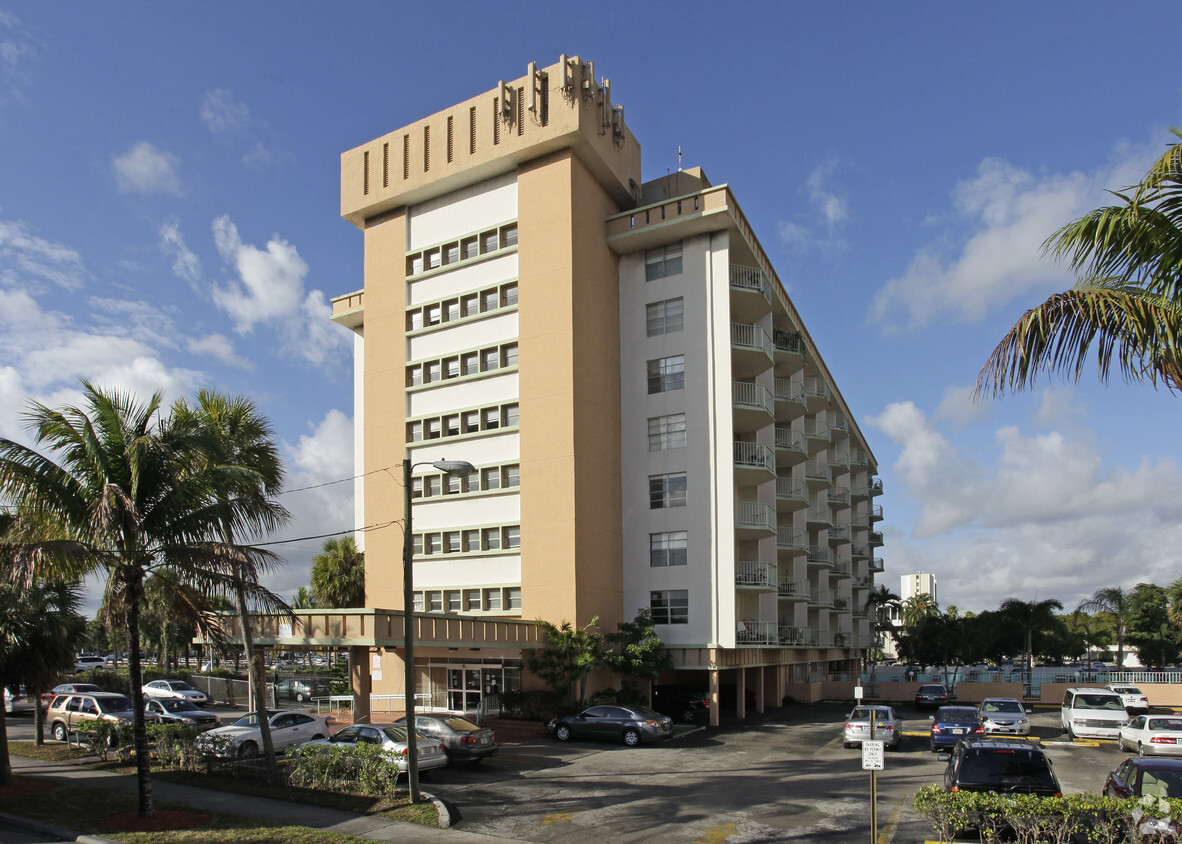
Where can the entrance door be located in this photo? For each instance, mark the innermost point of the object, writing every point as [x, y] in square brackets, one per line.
[465, 688]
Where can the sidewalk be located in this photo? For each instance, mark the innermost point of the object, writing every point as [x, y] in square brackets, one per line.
[295, 814]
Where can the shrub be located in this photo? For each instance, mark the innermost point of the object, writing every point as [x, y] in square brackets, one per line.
[536, 705]
[103, 736]
[173, 745]
[358, 768]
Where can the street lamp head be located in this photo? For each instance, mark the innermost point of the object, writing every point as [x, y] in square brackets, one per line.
[455, 468]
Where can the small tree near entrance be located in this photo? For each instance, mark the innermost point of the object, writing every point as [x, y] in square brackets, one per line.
[635, 651]
[569, 655]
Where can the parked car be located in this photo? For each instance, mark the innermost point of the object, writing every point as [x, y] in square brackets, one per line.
[1134, 699]
[69, 710]
[180, 711]
[392, 739]
[88, 663]
[629, 724]
[300, 690]
[1152, 735]
[1137, 777]
[1004, 715]
[68, 688]
[175, 689]
[243, 738]
[1092, 713]
[682, 703]
[931, 695]
[953, 723]
[887, 726]
[461, 739]
[1005, 765]
[18, 699]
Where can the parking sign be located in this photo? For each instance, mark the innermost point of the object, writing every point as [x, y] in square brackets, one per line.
[873, 755]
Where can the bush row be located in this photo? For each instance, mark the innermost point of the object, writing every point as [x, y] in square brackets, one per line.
[1029, 818]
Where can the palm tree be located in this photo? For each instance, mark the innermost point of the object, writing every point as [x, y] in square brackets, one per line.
[1117, 603]
[338, 574]
[239, 436]
[129, 500]
[1174, 596]
[303, 600]
[918, 607]
[1128, 297]
[1030, 617]
[881, 602]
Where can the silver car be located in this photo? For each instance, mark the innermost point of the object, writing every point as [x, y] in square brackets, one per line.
[888, 727]
[1004, 715]
[391, 739]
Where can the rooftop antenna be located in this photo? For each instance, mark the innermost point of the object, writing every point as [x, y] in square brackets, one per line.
[679, 158]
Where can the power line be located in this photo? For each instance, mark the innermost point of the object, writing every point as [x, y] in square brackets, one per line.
[379, 526]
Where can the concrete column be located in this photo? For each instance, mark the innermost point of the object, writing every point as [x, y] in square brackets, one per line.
[714, 698]
[360, 681]
[741, 694]
[760, 698]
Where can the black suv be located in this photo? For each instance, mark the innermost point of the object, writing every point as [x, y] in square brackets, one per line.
[1009, 766]
[683, 703]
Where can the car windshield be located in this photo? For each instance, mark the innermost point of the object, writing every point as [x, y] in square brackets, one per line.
[178, 705]
[1171, 725]
[862, 713]
[251, 720]
[1007, 769]
[931, 690]
[180, 686]
[1002, 706]
[1161, 782]
[956, 713]
[1102, 702]
[647, 714]
[113, 704]
[460, 725]
[396, 732]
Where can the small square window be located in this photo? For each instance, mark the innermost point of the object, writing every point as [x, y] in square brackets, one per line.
[489, 359]
[451, 425]
[414, 320]
[451, 253]
[470, 364]
[453, 602]
[509, 354]
[418, 602]
[472, 600]
[471, 483]
[432, 429]
[470, 305]
[469, 247]
[414, 432]
[471, 540]
[488, 242]
[471, 420]
[510, 415]
[416, 487]
[431, 371]
[431, 315]
[492, 599]
[489, 300]
[417, 544]
[435, 601]
[414, 375]
[453, 484]
[451, 542]
[513, 597]
[491, 417]
[414, 264]
[511, 476]
[491, 539]
[431, 259]
[432, 486]
[513, 537]
[434, 543]
[508, 295]
[509, 236]
[490, 479]
[452, 310]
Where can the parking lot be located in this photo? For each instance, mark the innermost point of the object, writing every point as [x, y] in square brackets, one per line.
[783, 777]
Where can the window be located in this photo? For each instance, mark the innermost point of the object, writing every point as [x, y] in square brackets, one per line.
[491, 539]
[414, 320]
[491, 417]
[470, 363]
[489, 359]
[666, 374]
[509, 415]
[470, 305]
[513, 598]
[453, 602]
[665, 317]
[414, 264]
[490, 479]
[418, 602]
[513, 537]
[431, 371]
[489, 300]
[414, 432]
[471, 420]
[451, 253]
[666, 432]
[509, 236]
[511, 476]
[488, 242]
[433, 543]
[492, 599]
[451, 542]
[471, 483]
[451, 427]
[451, 368]
[666, 491]
[663, 261]
[670, 606]
[472, 600]
[432, 429]
[416, 487]
[414, 376]
[417, 544]
[434, 602]
[432, 485]
[667, 549]
[509, 354]
[470, 247]
[431, 315]
[508, 295]
[471, 540]
[431, 259]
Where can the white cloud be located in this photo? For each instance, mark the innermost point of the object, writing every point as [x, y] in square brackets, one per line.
[269, 289]
[185, 264]
[30, 258]
[959, 407]
[1059, 408]
[221, 113]
[16, 46]
[830, 211]
[220, 347]
[833, 208]
[145, 169]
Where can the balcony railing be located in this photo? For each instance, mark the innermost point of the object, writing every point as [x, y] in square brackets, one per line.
[790, 391]
[859, 552]
[820, 554]
[876, 565]
[838, 534]
[750, 395]
[755, 455]
[876, 513]
[876, 486]
[815, 470]
[841, 604]
[790, 489]
[788, 588]
[815, 388]
[838, 495]
[820, 514]
[876, 539]
[753, 573]
[859, 457]
[788, 341]
[753, 337]
[815, 429]
[752, 632]
[790, 635]
[841, 568]
[789, 440]
[791, 539]
[750, 279]
[754, 514]
[837, 422]
[820, 597]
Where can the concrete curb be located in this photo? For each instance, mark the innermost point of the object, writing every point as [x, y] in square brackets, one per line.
[441, 807]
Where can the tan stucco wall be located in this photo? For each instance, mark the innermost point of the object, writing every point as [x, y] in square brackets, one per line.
[570, 395]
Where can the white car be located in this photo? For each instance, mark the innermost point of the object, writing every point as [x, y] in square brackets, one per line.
[18, 699]
[1152, 735]
[243, 738]
[1003, 715]
[1133, 697]
[392, 739]
[87, 663]
[176, 689]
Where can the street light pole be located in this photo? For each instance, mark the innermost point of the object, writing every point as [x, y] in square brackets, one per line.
[452, 468]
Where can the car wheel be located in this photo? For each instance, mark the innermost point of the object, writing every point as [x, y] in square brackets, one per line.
[1071, 733]
[248, 750]
[562, 732]
[688, 716]
[1140, 749]
[631, 738]
[847, 744]
[299, 697]
[59, 731]
[318, 737]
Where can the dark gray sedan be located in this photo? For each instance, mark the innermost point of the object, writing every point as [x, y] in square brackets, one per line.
[180, 711]
[462, 740]
[629, 724]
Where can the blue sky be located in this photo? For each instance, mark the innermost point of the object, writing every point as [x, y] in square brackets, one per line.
[169, 220]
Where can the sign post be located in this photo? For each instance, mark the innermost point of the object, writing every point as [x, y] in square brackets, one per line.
[873, 760]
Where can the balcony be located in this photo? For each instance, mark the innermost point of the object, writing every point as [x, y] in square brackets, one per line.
[751, 293]
[839, 463]
[876, 565]
[859, 458]
[816, 436]
[790, 448]
[860, 552]
[841, 569]
[838, 534]
[862, 583]
[819, 516]
[790, 350]
[791, 495]
[860, 492]
[753, 407]
[820, 556]
[751, 350]
[876, 539]
[839, 497]
[791, 542]
[861, 615]
[754, 520]
[839, 428]
[876, 513]
[876, 486]
[841, 604]
[816, 475]
[793, 590]
[792, 636]
[754, 633]
[820, 598]
[789, 396]
[754, 463]
[816, 394]
[754, 575]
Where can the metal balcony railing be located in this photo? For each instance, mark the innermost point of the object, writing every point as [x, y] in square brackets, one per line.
[820, 514]
[876, 486]
[841, 568]
[791, 488]
[817, 471]
[859, 457]
[788, 390]
[820, 597]
[789, 440]
[876, 513]
[788, 588]
[754, 455]
[815, 429]
[746, 394]
[816, 388]
[791, 539]
[754, 514]
[838, 495]
[820, 554]
[876, 539]
[755, 573]
[752, 632]
[788, 341]
[754, 337]
[751, 279]
[876, 565]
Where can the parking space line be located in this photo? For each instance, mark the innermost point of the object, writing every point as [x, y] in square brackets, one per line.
[558, 817]
[892, 825]
[825, 747]
[718, 834]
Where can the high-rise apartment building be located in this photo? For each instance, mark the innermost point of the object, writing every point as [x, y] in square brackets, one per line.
[652, 426]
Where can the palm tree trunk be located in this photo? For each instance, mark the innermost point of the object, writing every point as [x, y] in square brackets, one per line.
[254, 673]
[135, 597]
[5, 762]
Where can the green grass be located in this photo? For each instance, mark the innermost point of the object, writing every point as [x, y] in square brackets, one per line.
[49, 752]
